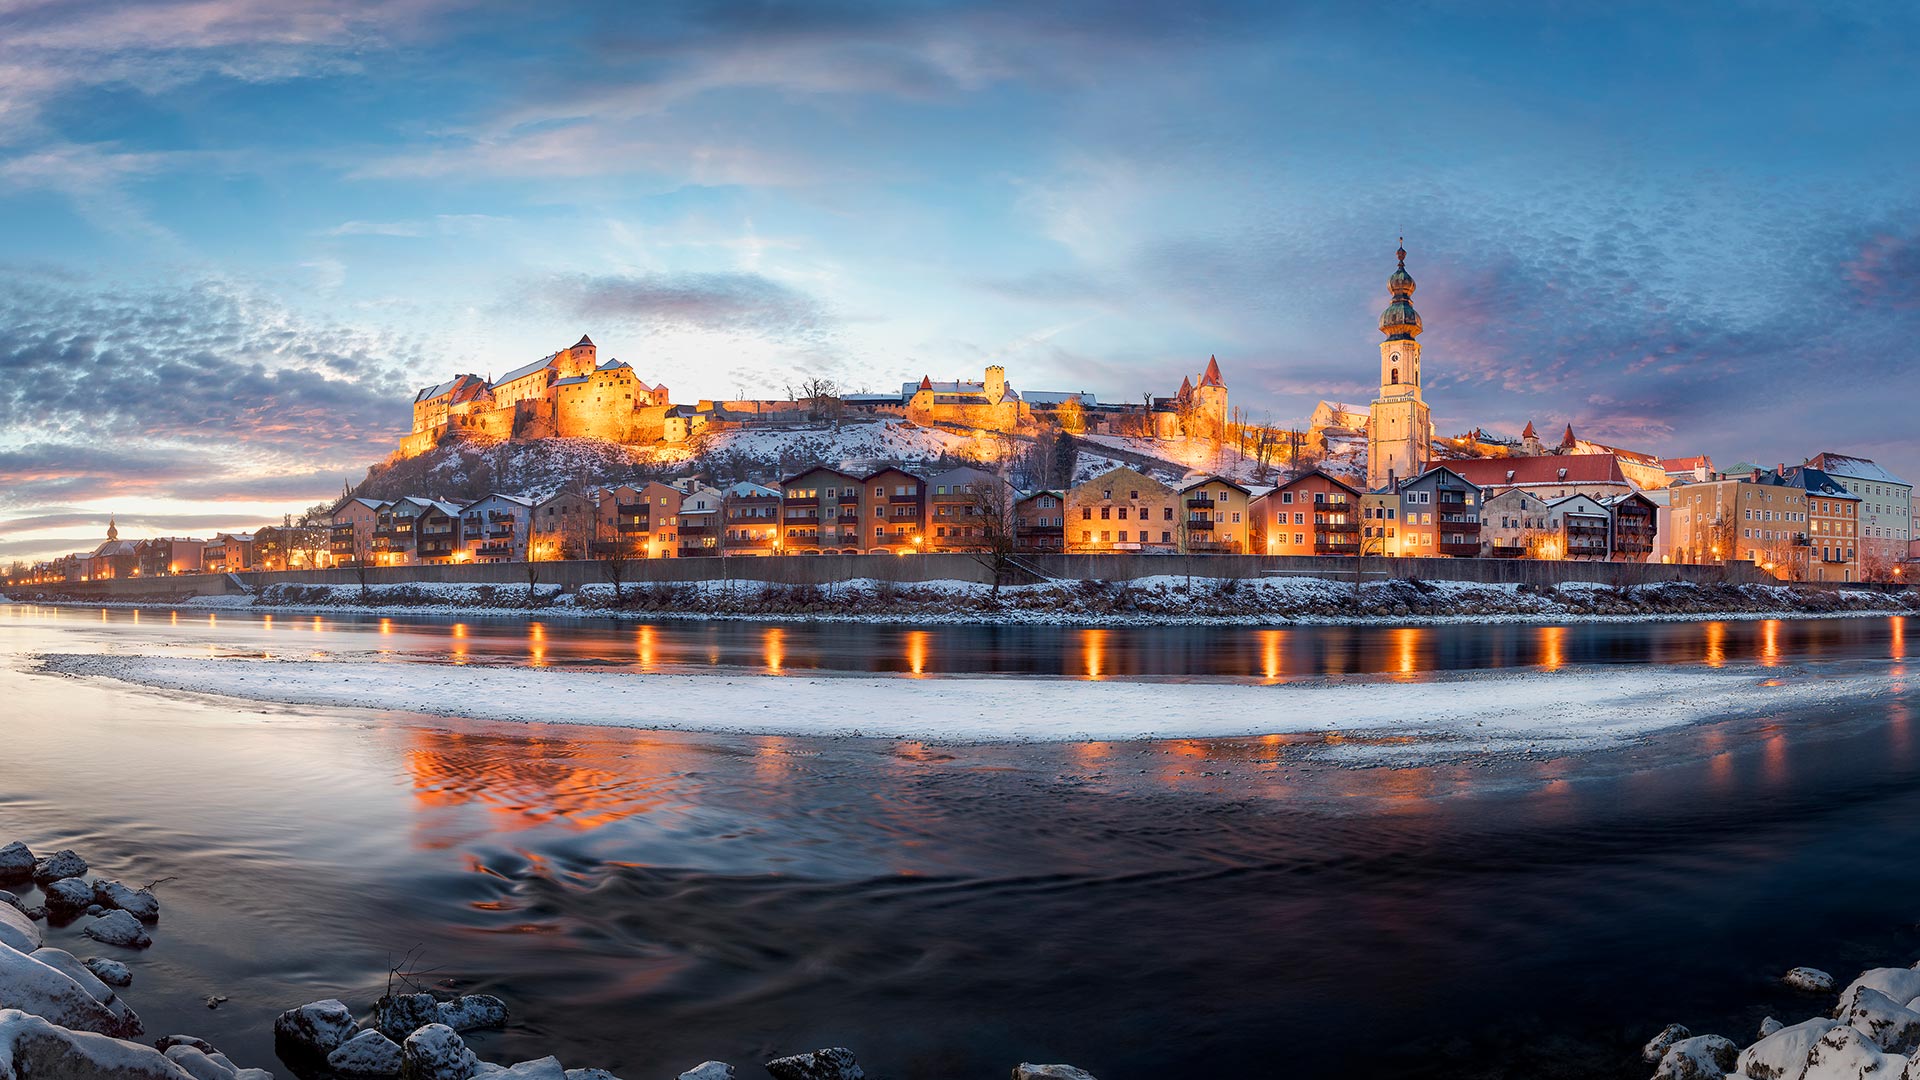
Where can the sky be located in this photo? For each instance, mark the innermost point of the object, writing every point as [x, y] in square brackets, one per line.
[235, 235]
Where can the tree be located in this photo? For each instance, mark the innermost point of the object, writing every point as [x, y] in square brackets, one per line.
[991, 503]
[616, 557]
[822, 397]
[1072, 416]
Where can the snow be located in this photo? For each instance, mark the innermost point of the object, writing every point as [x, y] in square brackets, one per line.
[1479, 711]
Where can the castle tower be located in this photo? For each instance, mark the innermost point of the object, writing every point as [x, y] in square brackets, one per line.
[579, 360]
[1210, 400]
[1400, 432]
[996, 384]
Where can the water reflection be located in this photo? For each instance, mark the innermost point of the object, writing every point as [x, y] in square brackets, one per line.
[1093, 653]
[774, 639]
[1553, 647]
[1716, 644]
[917, 652]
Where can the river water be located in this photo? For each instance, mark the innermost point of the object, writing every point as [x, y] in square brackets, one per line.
[645, 901]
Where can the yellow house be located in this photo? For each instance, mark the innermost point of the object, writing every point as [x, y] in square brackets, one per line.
[1759, 518]
[1214, 516]
[1380, 522]
[1124, 510]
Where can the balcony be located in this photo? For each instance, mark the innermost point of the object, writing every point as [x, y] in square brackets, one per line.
[499, 531]
[1459, 551]
[1200, 502]
[494, 550]
[1324, 546]
[1199, 525]
[903, 498]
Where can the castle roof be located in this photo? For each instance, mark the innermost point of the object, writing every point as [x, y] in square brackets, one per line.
[584, 340]
[1186, 384]
[529, 369]
[926, 382]
[1212, 376]
[1568, 439]
[1548, 469]
[1687, 464]
[1529, 433]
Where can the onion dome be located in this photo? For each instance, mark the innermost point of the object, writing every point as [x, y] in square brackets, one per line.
[1400, 322]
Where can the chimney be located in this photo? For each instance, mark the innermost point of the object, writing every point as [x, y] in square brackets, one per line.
[1756, 475]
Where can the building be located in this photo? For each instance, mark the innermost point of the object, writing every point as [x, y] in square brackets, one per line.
[1315, 513]
[1886, 511]
[436, 534]
[961, 505]
[638, 522]
[570, 394]
[752, 520]
[497, 528]
[1400, 427]
[227, 553]
[113, 558]
[1514, 523]
[1039, 522]
[820, 513]
[564, 525]
[394, 534]
[703, 512]
[1759, 518]
[1582, 529]
[1380, 522]
[1121, 510]
[1691, 470]
[1833, 524]
[1439, 515]
[1636, 525]
[164, 555]
[1551, 477]
[1215, 516]
[897, 508]
[350, 531]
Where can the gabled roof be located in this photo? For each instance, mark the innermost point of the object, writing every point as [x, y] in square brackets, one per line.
[1854, 468]
[1324, 475]
[1212, 375]
[529, 369]
[571, 380]
[1192, 482]
[747, 490]
[1818, 482]
[461, 386]
[1547, 469]
[1568, 439]
[1186, 384]
[609, 365]
[819, 469]
[517, 500]
[1578, 498]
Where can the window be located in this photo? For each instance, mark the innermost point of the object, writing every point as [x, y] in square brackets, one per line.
[1106, 513]
[1133, 495]
[1286, 496]
[1299, 518]
[1299, 538]
[1236, 517]
[1166, 513]
[1104, 534]
[1086, 513]
[1165, 537]
[1123, 513]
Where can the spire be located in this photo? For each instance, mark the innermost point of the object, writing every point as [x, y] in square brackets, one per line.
[113, 531]
[584, 340]
[1403, 253]
[1567, 439]
[1400, 322]
[1529, 433]
[926, 382]
[1212, 377]
[1186, 385]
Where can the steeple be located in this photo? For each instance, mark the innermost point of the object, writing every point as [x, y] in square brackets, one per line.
[1567, 440]
[113, 531]
[1400, 322]
[1212, 376]
[584, 340]
[1529, 433]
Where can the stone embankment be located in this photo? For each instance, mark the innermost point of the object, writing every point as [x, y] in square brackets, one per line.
[1871, 1033]
[63, 1017]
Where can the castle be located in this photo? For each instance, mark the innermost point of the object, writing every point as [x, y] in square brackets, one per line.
[567, 394]
[1198, 409]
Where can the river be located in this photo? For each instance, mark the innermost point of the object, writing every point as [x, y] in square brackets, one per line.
[645, 901]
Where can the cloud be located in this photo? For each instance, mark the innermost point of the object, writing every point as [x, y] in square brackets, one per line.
[725, 302]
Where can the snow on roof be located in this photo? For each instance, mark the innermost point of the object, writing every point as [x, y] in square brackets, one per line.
[745, 490]
[1854, 468]
[1056, 397]
[523, 372]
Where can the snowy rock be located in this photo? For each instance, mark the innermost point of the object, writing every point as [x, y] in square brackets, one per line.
[68, 894]
[1900, 984]
[366, 1054]
[1892, 1026]
[546, 1068]
[1768, 1026]
[1024, 1071]
[313, 1029]
[1783, 1054]
[60, 864]
[1702, 1057]
[1812, 980]
[198, 1064]
[32, 1046]
[16, 861]
[12, 901]
[118, 928]
[138, 903]
[594, 1074]
[832, 1063]
[69, 965]
[1845, 1054]
[471, 1012]
[400, 1015]
[1658, 1046]
[707, 1070]
[436, 1052]
[17, 932]
[167, 1042]
[111, 972]
[43, 990]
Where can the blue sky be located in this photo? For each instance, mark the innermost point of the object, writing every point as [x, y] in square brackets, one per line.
[239, 232]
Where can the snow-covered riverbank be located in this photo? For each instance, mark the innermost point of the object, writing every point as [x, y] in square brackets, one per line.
[1167, 600]
[1562, 711]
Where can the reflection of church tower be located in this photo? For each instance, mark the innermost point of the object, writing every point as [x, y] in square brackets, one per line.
[1400, 433]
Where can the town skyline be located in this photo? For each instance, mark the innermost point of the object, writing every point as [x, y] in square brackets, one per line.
[747, 205]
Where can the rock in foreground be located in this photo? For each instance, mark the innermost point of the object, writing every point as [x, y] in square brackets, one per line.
[18, 932]
[832, 1063]
[118, 928]
[471, 1012]
[61, 864]
[16, 861]
[111, 972]
[709, 1070]
[1024, 1071]
[366, 1054]
[32, 1046]
[1812, 980]
[45, 991]
[436, 1052]
[1702, 1057]
[313, 1030]
[138, 903]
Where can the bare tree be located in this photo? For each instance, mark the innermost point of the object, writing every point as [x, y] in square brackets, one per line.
[616, 556]
[1072, 416]
[822, 397]
[992, 504]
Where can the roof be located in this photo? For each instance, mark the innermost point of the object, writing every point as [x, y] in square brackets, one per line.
[1817, 482]
[1687, 464]
[609, 365]
[523, 372]
[747, 490]
[1324, 475]
[472, 384]
[1529, 432]
[574, 380]
[1056, 397]
[1556, 503]
[1548, 469]
[1212, 375]
[1192, 482]
[1854, 468]
[517, 500]
[584, 340]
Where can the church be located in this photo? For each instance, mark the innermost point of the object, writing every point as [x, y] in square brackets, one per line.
[1397, 427]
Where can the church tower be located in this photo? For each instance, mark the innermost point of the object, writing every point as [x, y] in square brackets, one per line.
[1400, 431]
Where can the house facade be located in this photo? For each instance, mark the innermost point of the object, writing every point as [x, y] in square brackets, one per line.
[1314, 513]
[497, 528]
[1122, 510]
[1439, 515]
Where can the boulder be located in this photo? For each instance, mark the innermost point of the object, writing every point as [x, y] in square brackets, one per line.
[198, 1064]
[832, 1063]
[706, 1070]
[1024, 1071]
[68, 895]
[1658, 1046]
[96, 909]
[69, 965]
[546, 1068]
[1768, 1026]
[400, 1015]
[17, 932]
[472, 1012]
[436, 1052]
[313, 1030]
[366, 1054]
[33, 1046]
[139, 903]
[1783, 1054]
[31, 986]
[1702, 1057]
[16, 862]
[60, 864]
[590, 1074]
[167, 1042]
[111, 972]
[1812, 980]
[1900, 984]
[118, 928]
[1892, 1026]
[12, 901]
[1845, 1054]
